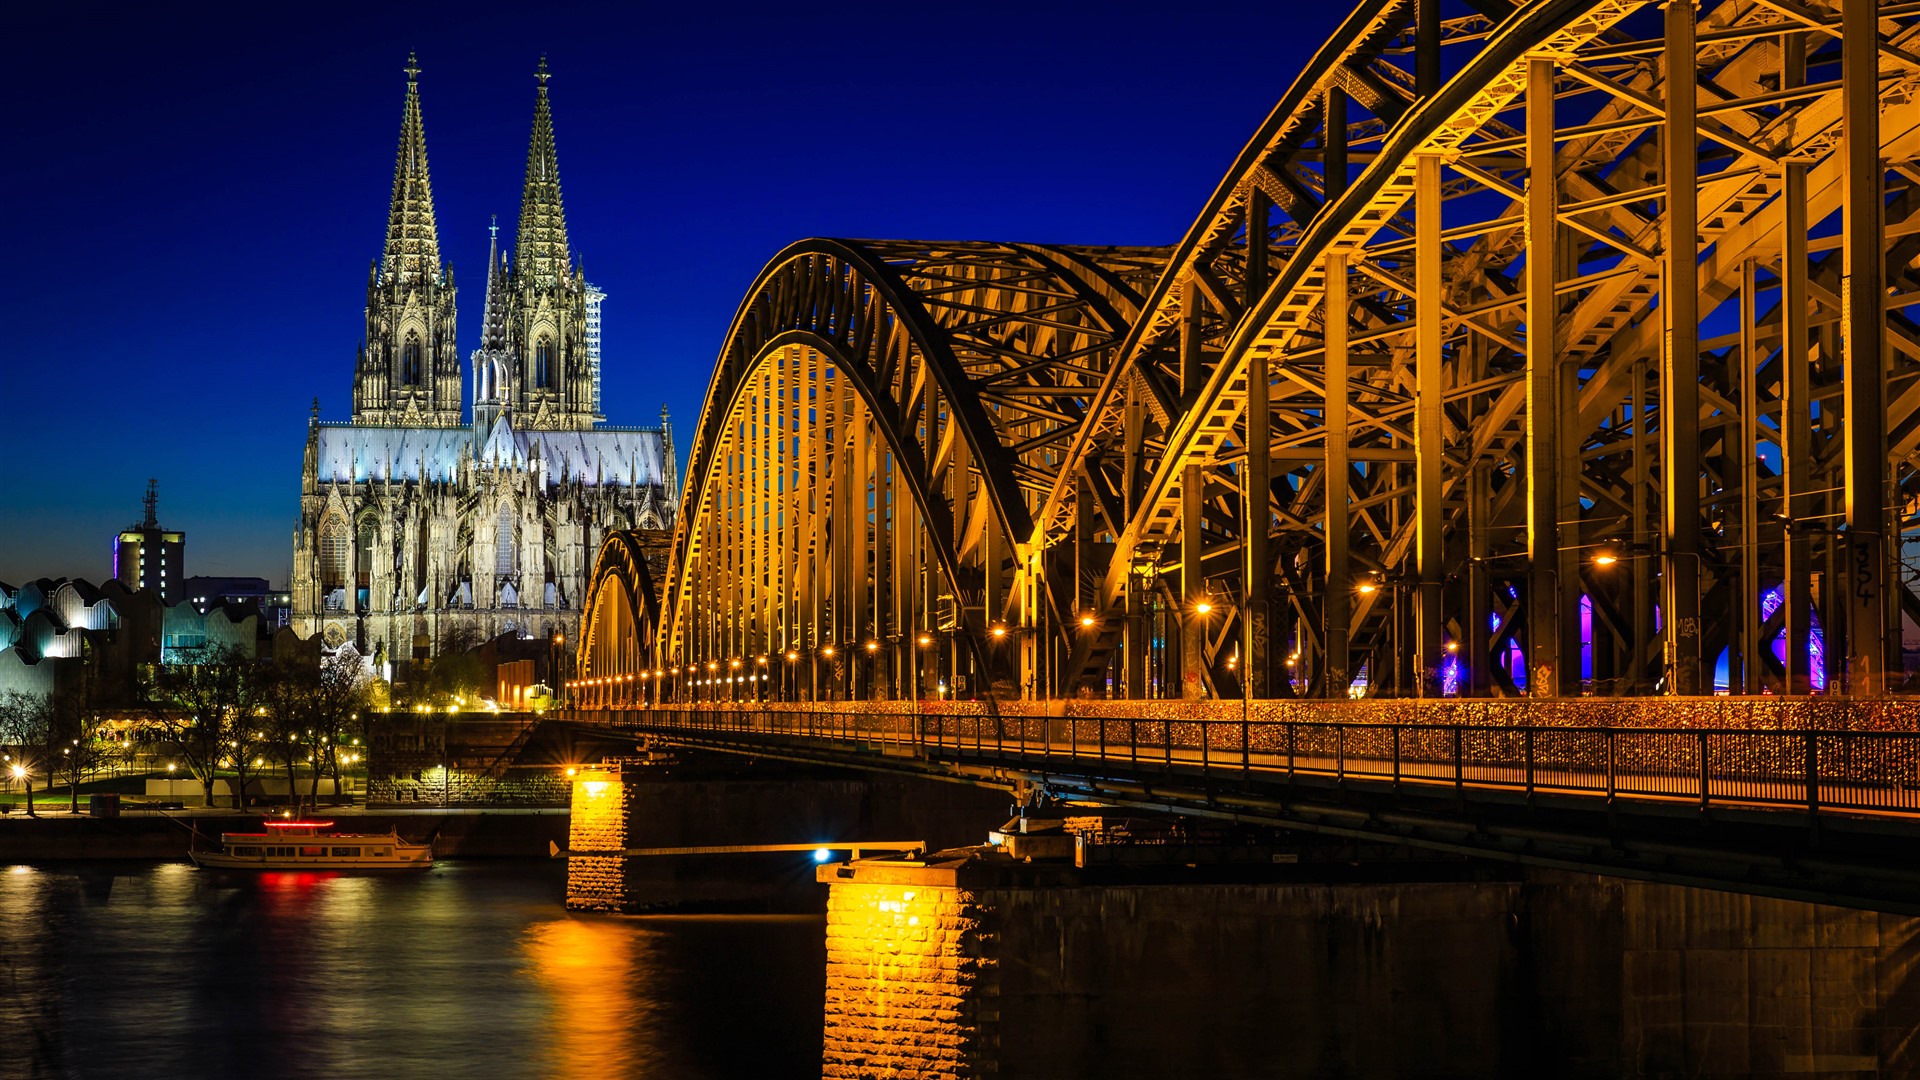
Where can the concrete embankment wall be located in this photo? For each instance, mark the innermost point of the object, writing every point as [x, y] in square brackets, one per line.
[1561, 976]
[154, 836]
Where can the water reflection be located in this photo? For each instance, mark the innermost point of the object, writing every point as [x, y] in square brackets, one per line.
[589, 970]
[467, 970]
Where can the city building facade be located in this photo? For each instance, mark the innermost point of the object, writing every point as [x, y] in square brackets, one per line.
[422, 529]
[146, 556]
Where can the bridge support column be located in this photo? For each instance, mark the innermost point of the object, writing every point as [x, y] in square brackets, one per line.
[1546, 674]
[1193, 587]
[1337, 609]
[1796, 425]
[1864, 352]
[1429, 426]
[1680, 363]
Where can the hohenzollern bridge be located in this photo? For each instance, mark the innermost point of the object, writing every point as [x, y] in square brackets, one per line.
[1549, 368]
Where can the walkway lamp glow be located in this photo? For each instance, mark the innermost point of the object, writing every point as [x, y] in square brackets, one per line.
[1368, 588]
[1087, 620]
[873, 646]
[999, 631]
[792, 656]
[925, 641]
[826, 651]
[1203, 607]
[1605, 558]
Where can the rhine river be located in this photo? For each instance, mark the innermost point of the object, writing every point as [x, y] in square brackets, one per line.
[469, 969]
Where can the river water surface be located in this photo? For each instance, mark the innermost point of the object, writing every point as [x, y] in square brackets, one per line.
[469, 969]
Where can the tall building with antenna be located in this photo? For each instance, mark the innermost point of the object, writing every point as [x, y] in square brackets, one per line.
[146, 556]
[422, 528]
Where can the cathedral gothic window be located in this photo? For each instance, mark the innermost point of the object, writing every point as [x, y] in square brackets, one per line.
[503, 543]
[363, 563]
[410, 361]
[333, 556]
[543, 364]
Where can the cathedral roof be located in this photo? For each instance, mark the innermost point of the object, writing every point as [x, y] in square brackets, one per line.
[413, 243]
[350, 453]
[541, 242]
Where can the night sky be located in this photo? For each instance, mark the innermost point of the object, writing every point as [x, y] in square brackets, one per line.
[193, 198]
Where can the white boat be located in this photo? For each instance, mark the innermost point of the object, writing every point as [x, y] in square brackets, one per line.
[301, 845]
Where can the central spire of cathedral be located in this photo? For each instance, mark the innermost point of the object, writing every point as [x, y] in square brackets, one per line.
[493, 360]
[542, 238]
[413, 244]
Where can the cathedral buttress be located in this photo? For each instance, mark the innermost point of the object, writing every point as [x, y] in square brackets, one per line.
[409, 369]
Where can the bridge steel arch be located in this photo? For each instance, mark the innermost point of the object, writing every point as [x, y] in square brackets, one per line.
[884, 418]
[619, 628]
[1491, 451]
[1506, 391]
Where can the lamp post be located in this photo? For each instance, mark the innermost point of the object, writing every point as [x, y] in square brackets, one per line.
[1399, 586]
[1612, 552]
[553, 661]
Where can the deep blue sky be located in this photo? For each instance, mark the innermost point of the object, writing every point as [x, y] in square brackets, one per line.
[193, 197]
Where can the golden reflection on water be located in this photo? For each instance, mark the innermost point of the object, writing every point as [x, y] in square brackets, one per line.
[590, 966]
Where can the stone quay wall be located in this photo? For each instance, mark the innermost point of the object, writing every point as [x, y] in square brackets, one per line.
[935, 978]
[463, 759]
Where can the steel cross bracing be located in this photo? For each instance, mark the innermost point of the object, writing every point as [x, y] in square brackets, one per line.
[1496, 449]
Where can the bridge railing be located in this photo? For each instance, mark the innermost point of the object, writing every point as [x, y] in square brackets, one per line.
[1839, 770]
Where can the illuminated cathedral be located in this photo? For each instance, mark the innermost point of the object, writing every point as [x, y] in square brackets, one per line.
[426, 523]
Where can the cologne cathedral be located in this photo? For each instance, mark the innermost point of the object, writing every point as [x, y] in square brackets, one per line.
[425, 526]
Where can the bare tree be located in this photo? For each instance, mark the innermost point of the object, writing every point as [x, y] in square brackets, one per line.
[312, 711]
[203, 710]
[77, 746]
[339, 700]
[24, 735]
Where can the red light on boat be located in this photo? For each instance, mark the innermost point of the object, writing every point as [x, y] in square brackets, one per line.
[298, 824]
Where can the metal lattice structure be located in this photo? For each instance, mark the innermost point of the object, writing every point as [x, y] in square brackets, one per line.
[1489, 450]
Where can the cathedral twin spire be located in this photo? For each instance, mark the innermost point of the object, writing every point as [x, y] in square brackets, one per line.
[542, 239]
[536, 356]
[413, 243]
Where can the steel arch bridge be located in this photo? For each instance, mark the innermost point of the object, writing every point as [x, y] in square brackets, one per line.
[1409, 408]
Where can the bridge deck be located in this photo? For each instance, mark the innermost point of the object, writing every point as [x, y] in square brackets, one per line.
[1823, 815]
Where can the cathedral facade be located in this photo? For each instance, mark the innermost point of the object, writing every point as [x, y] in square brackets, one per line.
[425, 525]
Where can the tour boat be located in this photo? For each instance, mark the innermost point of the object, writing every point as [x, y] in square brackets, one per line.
[301, 845]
